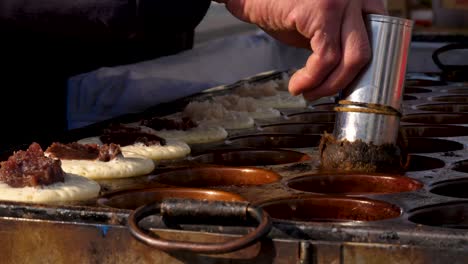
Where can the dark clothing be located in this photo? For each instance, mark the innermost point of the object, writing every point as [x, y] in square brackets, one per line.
[45, 41]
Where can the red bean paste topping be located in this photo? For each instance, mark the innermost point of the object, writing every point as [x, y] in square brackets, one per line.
[31, 168]
[77, 151]
[126, 135]
[163, 123]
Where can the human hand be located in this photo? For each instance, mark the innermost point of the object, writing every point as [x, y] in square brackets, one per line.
[333, 29]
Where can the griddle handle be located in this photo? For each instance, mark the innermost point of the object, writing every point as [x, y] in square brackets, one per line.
[446, 48]
[210, 211]
[175, 207]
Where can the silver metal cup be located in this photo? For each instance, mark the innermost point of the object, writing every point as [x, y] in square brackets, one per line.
[369, 108]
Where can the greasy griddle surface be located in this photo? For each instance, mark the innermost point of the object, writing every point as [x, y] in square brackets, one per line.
[428, 209]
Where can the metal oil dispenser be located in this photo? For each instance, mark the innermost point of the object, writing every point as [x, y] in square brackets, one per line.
[369, 110]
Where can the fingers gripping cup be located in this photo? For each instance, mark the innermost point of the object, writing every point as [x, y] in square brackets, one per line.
[368, 113]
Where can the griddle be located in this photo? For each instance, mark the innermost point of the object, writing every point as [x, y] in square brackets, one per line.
[316, 216]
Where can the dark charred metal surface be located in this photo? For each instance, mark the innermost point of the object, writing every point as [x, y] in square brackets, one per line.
[415, 216]
[275, 141]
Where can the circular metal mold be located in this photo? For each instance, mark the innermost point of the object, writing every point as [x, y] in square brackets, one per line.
[298, 128]
[251, 157]
[324, 208]
[422, 82]
[436, 118]
[434, 131]
[431, 145]
[354, 184]
[449, 215]
[275, 141]
[316, 117]
[451, 99]
[409, 97]
[461, 166]
[454, 188]
[455, 108]
[216, 177]
[412, 90]
[324, 107]
[422, 163]
[458, 90]
[136, 198]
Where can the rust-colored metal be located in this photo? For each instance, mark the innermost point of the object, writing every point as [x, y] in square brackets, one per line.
[394, 253]
[326, 208]
[250, 157]
[212, 176]
[133, 199]
[242, 210]
[353, 184]
[37, 242]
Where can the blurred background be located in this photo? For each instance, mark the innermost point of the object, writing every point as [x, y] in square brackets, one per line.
[436, 23]
[218, 23]
[448, 14]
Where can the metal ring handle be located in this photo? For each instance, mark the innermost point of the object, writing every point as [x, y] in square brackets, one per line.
[449, 47]
[256, 213]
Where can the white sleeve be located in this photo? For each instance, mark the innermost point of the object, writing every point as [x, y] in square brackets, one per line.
[110, 92]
